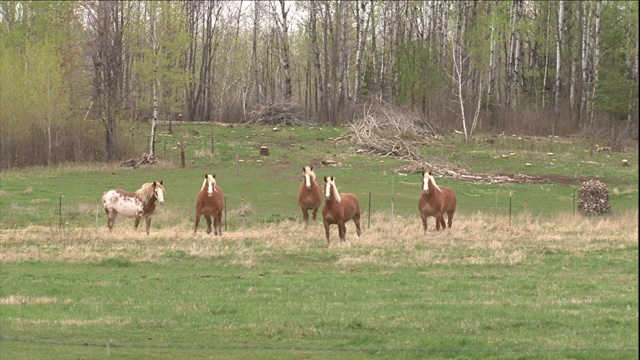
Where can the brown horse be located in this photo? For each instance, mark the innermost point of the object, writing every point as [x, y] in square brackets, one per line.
[309, 194]
[338, 209]
[435, 201]
[139, 204]
[210, 202]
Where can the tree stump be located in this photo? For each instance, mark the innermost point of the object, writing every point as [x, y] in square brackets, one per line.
[594, 198]
[264, 151]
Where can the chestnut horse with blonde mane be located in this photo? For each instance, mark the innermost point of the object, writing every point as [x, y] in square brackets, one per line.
[210, 202]
[435, 201]
[338, 209]
[309, 194]
[139, 204]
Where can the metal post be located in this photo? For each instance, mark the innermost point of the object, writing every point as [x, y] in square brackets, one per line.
[60, 209]
[97, 202]
[182, 149]
[392, 203]
[242, 199]
[369, 212]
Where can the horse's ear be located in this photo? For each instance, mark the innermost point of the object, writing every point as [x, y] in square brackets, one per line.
[311, 168]
[214, 176]
[325, 179]
[430, 173]
[160, 182]
[154, 184]
[206, 176]
[423, 172]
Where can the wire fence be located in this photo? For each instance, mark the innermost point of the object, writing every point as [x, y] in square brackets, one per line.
[113, 345]
[60, 213]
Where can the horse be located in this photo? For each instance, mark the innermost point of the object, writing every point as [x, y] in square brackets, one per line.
[210, 202]
[139, 204]
[435, 201]
[309, 194]
[338, 209]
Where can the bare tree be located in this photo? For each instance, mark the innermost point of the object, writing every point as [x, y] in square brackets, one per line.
[559, 43]
[107, 21]
[283, 49]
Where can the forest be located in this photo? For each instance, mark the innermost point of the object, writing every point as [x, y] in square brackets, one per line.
[76, 76]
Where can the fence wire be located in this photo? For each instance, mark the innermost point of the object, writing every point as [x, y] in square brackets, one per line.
[114, 345]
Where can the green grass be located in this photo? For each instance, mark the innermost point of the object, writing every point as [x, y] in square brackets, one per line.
[541, 284]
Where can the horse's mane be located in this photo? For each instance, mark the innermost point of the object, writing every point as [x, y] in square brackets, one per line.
[337, 194]
[434, 182]
[210, 178]
[307, 170]
[146, 191]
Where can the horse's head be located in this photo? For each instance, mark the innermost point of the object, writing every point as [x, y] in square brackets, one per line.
[309, 175]
[158, 191]
[210, 183]
[428, 181]
[329, 184]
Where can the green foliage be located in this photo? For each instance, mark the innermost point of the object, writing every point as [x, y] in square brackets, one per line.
[616, 89]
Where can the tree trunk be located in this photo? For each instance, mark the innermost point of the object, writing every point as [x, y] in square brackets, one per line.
[284, 51]
[361, 36]
[596, 61]
[559, 42]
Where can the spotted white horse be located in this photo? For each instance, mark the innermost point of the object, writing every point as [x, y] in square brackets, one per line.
[139, 204]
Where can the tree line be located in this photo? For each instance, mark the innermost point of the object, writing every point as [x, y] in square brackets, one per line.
[75, 76]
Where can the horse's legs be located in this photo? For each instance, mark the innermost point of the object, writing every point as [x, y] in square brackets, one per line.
[217, 223]
[424, 222]
[305, 215]
[326, 230]
[342, 230]
[148, 224]
[111, 218]
[315, 212]
[356, 220]
[137, 222]
[208, 218]
[439, 221]
[198, 215]
[449, 218]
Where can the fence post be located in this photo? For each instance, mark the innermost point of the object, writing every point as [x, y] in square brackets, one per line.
[60, 210]
[392, 203]
[182, 149]
[97, 202]
[369, 212]
[242, 200]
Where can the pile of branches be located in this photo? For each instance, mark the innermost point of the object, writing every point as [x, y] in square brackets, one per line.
[144, 159]
[388, 131]
[280, 114]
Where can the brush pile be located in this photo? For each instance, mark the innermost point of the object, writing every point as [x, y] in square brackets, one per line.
[387, 131]
[594, 198]
[280, 114]
[144, 159]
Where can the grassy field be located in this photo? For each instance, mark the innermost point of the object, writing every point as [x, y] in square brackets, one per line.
[543, 283]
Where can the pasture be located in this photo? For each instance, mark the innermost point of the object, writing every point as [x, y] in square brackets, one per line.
[541, 283]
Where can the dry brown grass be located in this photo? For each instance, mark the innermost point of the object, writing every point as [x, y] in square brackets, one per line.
[487, 238]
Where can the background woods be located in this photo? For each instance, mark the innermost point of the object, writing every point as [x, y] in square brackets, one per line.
[77, 77]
